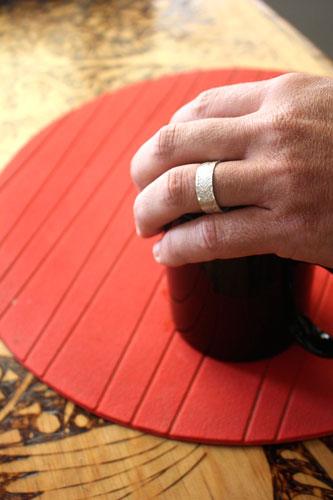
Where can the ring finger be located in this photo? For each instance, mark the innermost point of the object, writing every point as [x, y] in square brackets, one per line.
[236, 183]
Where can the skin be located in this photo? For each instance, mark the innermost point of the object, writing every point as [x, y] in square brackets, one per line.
[274, 140]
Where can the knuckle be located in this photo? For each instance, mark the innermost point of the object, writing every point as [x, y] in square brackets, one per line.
[285, 131]
[288, 77]
[203, 103]
[288, 174]
[289, 152]
[282, 121]
[305, 217]
[209, 234]
[287, 81]
[165, 141]
[174, 188]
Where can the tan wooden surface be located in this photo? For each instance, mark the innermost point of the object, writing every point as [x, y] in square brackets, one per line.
[54, 55]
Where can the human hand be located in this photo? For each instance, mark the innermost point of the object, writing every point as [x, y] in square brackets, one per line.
[274, 140]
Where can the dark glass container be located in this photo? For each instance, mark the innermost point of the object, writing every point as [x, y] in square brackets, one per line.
[235, 309]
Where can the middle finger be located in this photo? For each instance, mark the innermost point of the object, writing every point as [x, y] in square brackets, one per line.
[189, 142]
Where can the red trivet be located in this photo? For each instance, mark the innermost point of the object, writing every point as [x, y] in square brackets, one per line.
[84, 306]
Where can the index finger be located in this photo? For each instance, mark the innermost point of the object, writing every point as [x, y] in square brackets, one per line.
[224, 102]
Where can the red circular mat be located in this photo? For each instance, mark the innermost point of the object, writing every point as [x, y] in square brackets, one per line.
[85, 307]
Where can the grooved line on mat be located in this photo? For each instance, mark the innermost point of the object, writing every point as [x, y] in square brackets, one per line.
[88, 304]
[255, 401]
[190, 385]
[77, 214]
[48, 178]
[147, 119]
[145, 394]
[69, 188]
[152, 377]
[300, 366]
[79, 272]
[26, 160]
[325, 287]
[292, 388]
[140, 318]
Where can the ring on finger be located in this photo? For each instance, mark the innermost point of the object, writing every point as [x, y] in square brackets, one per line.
[204, 186]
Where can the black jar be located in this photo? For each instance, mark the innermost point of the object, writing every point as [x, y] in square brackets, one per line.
[234, 309]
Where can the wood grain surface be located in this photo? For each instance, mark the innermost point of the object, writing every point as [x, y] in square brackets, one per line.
[54, 55]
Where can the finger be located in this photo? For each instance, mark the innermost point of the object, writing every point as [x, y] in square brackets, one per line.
[191, 142]
[229, 101]
[238, 233]
[173, 194]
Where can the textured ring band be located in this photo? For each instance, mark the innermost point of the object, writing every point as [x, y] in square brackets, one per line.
[204, 187]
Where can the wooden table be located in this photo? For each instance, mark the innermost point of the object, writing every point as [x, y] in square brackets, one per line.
[55, 55]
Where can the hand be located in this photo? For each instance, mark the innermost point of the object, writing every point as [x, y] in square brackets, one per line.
[274, 140]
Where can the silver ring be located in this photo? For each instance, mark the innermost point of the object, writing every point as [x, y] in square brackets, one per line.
[204, 187]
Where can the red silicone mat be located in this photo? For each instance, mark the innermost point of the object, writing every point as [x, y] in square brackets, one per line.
[84, 306]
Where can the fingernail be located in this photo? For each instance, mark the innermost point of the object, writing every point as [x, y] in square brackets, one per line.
[156, 251]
